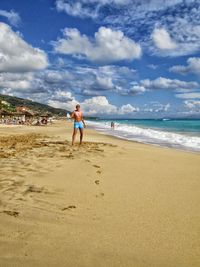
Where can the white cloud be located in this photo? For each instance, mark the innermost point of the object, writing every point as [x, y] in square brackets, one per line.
[56, 76]
[85, 81]
[107, 46]
[98, 105]
[75, 9]
[137, 89]
[193, 104]
[193, 107]
[179, 19]
[105, 82]
[183, 31]
[152, 66]
[162, 107]
[162, 39]
[18, 56]
[94, 106]
[164, 83]
[93, 8]
[83, 9]
[62, 96]
[192, 95]
[193, 66]
[12, 17]
[157, 107]
[127, 109]
[16, 81]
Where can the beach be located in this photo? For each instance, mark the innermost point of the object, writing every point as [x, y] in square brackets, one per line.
[109, 202]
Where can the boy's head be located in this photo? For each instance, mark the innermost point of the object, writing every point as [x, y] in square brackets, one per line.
[78, 107]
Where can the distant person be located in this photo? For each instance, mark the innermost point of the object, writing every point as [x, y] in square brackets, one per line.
[68, 116]
[77, 116]
[112, 125]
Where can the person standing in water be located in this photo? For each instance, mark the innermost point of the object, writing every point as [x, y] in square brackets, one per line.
[77, 116]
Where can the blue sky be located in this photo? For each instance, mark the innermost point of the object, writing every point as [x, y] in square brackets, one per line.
[117, 58]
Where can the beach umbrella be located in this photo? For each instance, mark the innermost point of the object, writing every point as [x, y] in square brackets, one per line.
[46, 114]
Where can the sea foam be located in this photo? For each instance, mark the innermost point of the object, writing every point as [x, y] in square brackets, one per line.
[149, 135]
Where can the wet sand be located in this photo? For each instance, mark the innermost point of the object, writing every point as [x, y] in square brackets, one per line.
[108, 202]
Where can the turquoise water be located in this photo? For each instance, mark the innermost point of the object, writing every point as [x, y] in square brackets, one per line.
[179, 126]
[181, 134]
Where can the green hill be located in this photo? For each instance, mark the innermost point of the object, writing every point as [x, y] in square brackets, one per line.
[34, 106]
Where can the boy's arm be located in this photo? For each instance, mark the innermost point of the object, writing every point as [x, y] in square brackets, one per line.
[72, 115]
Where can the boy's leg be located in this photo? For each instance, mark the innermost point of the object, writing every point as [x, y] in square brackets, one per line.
[81, 135]
[74, 136]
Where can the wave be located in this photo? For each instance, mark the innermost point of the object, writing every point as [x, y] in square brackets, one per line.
[149, 135]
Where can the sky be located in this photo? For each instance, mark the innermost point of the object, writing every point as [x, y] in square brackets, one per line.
[117, 58]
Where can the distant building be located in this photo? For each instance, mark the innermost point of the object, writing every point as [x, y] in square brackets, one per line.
[21, 109]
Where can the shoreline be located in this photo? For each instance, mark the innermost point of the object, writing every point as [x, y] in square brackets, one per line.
[106, 203]
[109, 136]
[164, 145]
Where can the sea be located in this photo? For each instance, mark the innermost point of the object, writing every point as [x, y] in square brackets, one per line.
[183, 134]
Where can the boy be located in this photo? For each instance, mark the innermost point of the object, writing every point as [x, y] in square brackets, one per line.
[79, 123]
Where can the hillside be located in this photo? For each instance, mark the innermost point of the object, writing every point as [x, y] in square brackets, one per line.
[34, 106]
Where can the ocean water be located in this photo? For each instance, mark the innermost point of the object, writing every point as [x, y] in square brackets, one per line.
[180, 134]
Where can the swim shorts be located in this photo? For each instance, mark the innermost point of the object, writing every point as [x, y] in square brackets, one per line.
[78, 125]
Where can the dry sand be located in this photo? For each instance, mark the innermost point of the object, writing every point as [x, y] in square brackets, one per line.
[107, 203]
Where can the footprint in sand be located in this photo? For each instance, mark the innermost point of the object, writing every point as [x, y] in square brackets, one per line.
[96, 166]
[69, 156]
[70, 207]
[100, 195]
[99, 172]
[11, 213]
[34, 189]
[97, 182]
[98, 149]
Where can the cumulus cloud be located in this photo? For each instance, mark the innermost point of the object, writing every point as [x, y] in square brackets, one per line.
[180, 19]
[137, 89]
[193, 66]
[166, 46]
[18, 56]
[181, 88]
[164, 83]
[176, 22]
[192, 104]
[98, 105]
[85, 81]
[127, 109]
[20, 81]
[62, 96]
[161, 83]
[56, 77]
[163, 40]
[12, 17]
[95, 106]
[138, 19]
[193, 107]
[107, 46]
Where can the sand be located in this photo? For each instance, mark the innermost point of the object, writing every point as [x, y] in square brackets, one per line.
[109, 202]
